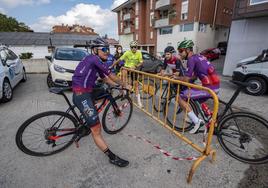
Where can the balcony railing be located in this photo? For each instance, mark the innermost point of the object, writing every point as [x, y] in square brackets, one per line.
[161, 4]
[126, 16]
[161, 23]
[127, 30]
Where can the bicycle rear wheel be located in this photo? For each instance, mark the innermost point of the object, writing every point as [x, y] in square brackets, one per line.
[180, 115]
[39, 135]
[244, 136]
[160, 97]
[111, 121]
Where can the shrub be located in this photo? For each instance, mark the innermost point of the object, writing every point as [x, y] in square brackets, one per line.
[27, 55]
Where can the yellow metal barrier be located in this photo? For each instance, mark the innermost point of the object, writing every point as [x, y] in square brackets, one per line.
[147, 85]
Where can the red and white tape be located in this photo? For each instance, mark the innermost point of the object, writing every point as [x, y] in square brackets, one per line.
[166, 153]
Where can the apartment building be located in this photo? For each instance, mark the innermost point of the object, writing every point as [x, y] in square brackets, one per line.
[158, 23]
[248, 34]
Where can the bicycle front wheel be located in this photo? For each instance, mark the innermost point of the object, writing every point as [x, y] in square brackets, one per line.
[160, 97]
[40, 135]
[244, 136]
[113, 122]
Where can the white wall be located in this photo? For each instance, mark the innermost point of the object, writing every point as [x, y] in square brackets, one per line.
[38, 51]
[172, 39]
[247, 38]
[221, 35]
[124, 40]
[204, 40]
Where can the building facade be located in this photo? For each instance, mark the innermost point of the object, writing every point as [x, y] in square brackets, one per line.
[248, 34]
[159, 23]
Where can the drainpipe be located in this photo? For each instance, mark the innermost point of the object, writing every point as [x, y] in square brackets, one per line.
[215, 13]
[200, 9]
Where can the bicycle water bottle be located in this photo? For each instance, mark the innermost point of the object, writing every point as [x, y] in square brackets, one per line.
[206, 109]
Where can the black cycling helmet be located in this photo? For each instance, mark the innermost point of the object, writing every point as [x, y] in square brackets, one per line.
[169, 49]
[99, 42]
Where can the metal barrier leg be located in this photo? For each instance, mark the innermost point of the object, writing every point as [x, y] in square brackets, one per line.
[213, 154]
[195, 165]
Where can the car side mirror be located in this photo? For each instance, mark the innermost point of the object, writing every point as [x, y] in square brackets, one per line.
[48, 58]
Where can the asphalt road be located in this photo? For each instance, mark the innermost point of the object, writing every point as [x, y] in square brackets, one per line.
[88, 167]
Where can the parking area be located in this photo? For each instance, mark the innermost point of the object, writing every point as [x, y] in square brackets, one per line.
[88, 167]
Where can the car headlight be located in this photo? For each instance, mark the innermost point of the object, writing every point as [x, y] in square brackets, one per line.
[59, 69]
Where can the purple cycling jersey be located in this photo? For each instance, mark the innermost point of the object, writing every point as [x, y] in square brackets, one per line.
[87, 72]
[200, 67]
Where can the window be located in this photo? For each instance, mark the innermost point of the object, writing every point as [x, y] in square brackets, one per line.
[165, 30]
[3, 55]
[202, 27]
[184, 16]
[136, 23]
[151, 18]
[137, 37]
[70, 54]
[255, 2]
[151, 35]
[163, 14]
[184, 10]
[146, 56]
[137, 8]
[10, 55]
[186, 27]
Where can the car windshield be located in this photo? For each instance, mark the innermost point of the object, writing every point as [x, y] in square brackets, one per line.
[70, 54]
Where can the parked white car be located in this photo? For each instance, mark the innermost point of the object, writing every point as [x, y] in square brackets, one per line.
[253, 70]
[62, 64]
[12, 72]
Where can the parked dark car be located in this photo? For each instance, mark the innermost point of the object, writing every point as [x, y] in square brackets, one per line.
[151, 64]
[223, 47]
[211, 53]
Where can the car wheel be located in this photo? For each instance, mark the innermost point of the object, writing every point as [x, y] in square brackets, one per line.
[50, 82]
[259, 86]
[7, 91]
[24, 78]
[158, 69]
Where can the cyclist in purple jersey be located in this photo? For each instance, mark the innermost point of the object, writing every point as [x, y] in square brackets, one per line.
[83, 83]
[198, 67]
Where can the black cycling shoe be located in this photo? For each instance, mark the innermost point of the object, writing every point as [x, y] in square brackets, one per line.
[119, 162]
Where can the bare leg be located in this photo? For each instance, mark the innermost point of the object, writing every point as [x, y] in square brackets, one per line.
[97, 137]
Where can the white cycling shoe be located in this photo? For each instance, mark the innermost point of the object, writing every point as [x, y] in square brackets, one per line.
[197, 127]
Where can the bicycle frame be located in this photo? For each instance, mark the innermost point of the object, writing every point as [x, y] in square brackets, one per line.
[106, 98]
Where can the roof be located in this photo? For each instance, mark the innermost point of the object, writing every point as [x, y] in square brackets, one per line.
[41, 39]
[129, 2]
[112, 41]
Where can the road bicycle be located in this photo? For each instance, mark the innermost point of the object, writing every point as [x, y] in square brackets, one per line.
[243, 135]
[50, 132]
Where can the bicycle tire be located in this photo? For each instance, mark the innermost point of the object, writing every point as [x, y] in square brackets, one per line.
[105, 115]
[189, 125]
[222, 125]
[163, 100]
[22, 128]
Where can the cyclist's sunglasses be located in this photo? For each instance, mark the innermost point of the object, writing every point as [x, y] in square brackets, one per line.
[133, 47]
[104, 49]
[181, 50]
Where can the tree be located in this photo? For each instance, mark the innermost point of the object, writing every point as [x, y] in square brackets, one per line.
[9, 24]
